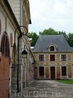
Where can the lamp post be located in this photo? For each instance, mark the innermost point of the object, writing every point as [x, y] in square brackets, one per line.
[23, 53]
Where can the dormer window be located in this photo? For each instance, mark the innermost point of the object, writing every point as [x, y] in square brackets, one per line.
[52, 48]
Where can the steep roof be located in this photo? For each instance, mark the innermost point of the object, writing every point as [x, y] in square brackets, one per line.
[44, 41]
[72, 48]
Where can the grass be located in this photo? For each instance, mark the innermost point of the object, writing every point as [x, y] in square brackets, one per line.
[66, 81]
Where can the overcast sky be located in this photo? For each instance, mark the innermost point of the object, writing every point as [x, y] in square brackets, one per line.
[57, 14]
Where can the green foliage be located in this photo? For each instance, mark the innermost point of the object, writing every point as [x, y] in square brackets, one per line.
[70, 39]
[34, 37]
[64, 33]
[66, 81]
[50, 31]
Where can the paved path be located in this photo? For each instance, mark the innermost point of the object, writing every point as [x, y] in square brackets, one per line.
[49, 89]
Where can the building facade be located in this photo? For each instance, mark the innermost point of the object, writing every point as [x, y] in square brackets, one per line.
[21, 9]
[8, 54]
[14, 20]
[53, 58]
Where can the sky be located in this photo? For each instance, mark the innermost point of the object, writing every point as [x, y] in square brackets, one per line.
[56, 14]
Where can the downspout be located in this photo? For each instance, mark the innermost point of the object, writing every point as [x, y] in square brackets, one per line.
[18, 67]
[20, 11]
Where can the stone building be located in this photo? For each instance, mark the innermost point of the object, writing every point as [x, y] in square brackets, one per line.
[8, 24]
[21, 9]
[53, 58]
[14, 20]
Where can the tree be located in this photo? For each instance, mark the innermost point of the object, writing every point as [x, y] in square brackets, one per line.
[70, 39]
[34, 37]
[64, 33]
[49, 31]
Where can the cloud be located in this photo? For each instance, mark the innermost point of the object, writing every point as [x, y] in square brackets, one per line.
[57, 14]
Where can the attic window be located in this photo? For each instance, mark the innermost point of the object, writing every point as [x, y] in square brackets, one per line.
[52, 48]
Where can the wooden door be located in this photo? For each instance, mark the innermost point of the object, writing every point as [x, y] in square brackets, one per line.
[52, 73]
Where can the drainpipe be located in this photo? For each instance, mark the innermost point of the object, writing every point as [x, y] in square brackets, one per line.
[20, 11]
[18, 66]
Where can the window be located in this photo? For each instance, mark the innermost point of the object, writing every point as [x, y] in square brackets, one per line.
[41, 71]
[52, 48]
[2, 44]
[63, 57]
[41, 57]
[5, 45]
[52, 57]
[63, 71]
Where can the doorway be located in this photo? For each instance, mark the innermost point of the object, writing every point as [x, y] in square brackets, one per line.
[52, 69]
[41, 72]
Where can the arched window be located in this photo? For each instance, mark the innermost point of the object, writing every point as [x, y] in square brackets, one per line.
[2, 44]
[5, 45]
[52, 48]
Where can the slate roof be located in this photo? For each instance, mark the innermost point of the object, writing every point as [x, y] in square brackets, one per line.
[72, 48]
[44, 41]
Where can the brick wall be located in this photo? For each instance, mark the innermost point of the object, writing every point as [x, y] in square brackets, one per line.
[58, 63]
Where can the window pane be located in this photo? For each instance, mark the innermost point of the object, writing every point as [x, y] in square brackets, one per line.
[52, 48]
[41, 57]
[52, 57]
[63, 57]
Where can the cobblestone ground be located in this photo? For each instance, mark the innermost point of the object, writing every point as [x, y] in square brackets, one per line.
[46, 89]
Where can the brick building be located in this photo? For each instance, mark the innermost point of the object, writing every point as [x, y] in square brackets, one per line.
[54, 58]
